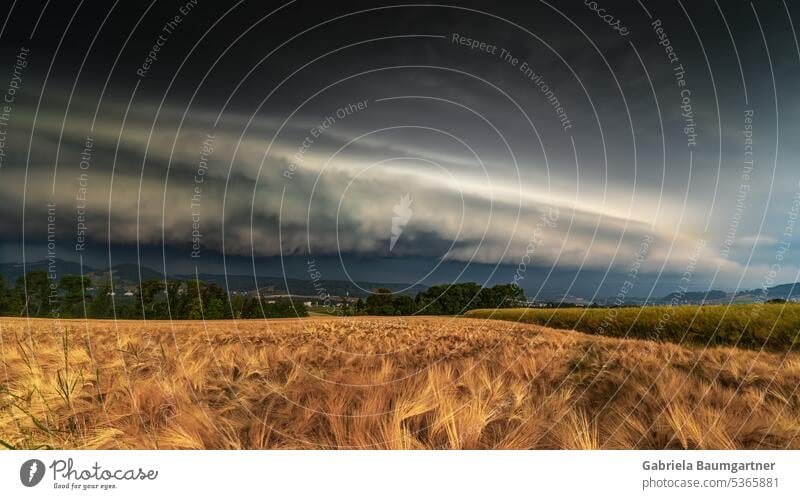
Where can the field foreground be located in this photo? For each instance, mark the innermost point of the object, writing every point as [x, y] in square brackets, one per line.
[369, 382]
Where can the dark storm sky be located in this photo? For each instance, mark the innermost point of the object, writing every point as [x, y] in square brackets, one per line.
[469, 135]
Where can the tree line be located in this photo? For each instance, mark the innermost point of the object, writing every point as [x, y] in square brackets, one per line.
[446, 299]
[73, 296]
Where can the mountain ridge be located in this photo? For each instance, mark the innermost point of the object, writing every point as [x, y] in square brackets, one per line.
[129, 274]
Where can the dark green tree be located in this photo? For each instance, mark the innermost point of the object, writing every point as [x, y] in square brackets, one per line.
[360, 308]
[190, 304]
[404, 305]
[380, 302]
[72, 289]
[100, 307]
[34, 288]
[173, 298]
[5, 298]
[146, 296]
[215, 301]
[251, 309]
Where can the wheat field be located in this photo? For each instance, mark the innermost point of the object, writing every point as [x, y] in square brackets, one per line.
[385, 383]
[772, 326]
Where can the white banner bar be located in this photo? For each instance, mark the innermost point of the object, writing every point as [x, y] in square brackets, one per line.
[370, 474]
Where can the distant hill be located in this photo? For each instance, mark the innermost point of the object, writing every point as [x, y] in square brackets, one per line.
[277, 285]
[785, 291]
[128, 274]
[782, 291]
[697, 296]
[13, 271]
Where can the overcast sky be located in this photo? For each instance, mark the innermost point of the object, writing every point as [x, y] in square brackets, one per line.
[591, 143]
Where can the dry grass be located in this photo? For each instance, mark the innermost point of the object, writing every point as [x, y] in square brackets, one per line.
[406, 383]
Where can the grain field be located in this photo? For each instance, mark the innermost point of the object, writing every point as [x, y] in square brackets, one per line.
[386, 383]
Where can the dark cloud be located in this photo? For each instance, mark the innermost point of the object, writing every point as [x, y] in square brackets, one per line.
[472, 137]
